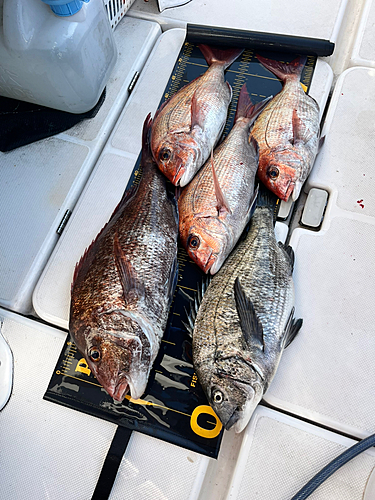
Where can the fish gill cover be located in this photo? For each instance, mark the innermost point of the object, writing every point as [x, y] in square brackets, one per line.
[173, 407]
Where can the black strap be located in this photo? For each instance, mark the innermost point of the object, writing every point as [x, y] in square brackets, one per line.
[111, 464]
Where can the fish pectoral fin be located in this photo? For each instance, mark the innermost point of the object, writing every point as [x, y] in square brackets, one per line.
[292, 327]
[223, 207]
[132, 289]
[289, 253]
[198, 112]
[251, 326]
[301, 134]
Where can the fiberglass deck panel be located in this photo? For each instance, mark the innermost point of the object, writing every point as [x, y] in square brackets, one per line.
[42, 180]
[363, 49]
[320, 19]
[46, 447]
[327, 374]
[280, 454]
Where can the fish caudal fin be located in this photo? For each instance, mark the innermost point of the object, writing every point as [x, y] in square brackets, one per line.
[268, 199]
[283, 70]
[246, 109]
[221, 56]
[146, 135]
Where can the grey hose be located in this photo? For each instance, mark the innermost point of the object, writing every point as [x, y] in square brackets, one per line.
[333, 466]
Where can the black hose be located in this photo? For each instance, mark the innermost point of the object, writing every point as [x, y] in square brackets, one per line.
[333, 466]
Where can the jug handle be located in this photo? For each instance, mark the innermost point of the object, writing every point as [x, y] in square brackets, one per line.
[21, 21]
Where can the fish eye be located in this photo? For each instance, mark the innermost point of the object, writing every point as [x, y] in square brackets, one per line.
[193, 241]
[94, 354]
[218, 397]
[165, 154]
[273, 172]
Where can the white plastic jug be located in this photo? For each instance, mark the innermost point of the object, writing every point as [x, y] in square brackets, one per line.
[62, 61]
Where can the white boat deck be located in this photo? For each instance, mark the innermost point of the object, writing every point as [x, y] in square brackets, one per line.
[327, 374]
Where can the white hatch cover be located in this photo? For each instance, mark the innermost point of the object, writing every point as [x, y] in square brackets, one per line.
[280, 454]
[327, 374]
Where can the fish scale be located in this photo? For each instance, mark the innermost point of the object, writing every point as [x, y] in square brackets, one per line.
[229, 362]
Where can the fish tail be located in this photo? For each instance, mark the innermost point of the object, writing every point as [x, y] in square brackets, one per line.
[246, 109]
[268, 199]
[146, 133]
[282, 70]
[221, 56]
[147, 160]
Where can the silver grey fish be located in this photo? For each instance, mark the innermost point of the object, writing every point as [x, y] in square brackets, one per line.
[245, 320]
[123, 286]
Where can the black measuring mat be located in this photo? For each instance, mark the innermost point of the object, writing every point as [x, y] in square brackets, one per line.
[174, 407]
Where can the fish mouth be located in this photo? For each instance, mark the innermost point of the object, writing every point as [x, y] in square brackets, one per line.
[288, 191]
[232, 420]
[209, 264]
[120, 391]
[180, 170]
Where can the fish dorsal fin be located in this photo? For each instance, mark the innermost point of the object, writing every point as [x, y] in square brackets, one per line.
[86, 259]
[161, 107]
[292, 327]
[132, 289]
[172, 282]
[126, 197]
[195, 303]
[222, 203]
[251, 326]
